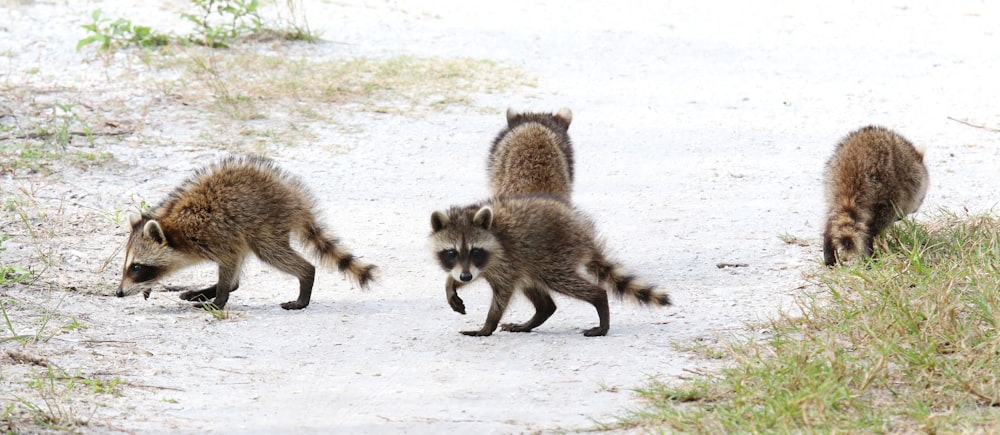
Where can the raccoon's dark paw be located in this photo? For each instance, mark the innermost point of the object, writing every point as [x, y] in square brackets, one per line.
[294, 305]
[457, 304]
[595, 332]
[478, 333]
[193, 295]
[514, 327]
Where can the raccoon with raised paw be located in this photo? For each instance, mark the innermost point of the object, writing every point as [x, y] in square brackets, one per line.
[225, 212]
[874, 178]
[536, 244]
[533, 154]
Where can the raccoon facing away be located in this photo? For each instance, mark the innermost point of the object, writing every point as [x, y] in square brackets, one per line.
[874, 178]
[226, 211]
[536, 244]
[533, 154]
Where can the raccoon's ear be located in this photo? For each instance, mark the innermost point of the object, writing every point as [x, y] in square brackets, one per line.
[483, 217]
[511, 115]
[153, 230]
[921, 150]
[133, 218]
[565, 115]
[439, 221]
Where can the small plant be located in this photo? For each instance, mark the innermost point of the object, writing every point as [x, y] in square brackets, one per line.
[10, 325]
[11, 274]
[238, 18]
[217, 24]
[121, 33]
[219, 314]
[74, 324]
[7, 425]
[53, 387]
[100, 386]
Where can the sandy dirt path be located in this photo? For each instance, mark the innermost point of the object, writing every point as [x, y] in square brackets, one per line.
[700, 135]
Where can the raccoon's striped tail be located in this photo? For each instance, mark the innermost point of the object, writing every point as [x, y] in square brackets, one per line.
[846, 232]
[624, 283]
[330, 253]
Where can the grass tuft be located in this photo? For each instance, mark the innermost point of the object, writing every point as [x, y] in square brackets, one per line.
[247, 85]
[905, 342]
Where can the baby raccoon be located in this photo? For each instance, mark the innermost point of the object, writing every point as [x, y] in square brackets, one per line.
[874, 178]
[225, 212]
[537, 244]
[532, 155]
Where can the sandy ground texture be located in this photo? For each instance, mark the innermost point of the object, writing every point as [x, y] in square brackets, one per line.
[700, 134]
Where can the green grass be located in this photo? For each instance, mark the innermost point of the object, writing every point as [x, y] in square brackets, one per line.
[11, 273]
[906, 342]
[217, 24]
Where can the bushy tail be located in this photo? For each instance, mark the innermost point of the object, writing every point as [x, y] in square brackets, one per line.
[329, 252]
[624, 283]
[845, 232]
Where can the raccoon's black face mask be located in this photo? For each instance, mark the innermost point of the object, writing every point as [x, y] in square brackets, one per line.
[466, 262]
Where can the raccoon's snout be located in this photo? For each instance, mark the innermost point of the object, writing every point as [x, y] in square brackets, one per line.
[120, 293]
[465, 276]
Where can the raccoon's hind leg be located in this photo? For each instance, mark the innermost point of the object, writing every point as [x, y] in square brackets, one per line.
[544, 307]
[575, 286]
[285, 259]
[880, 220]
[501, 297]
[829, 250]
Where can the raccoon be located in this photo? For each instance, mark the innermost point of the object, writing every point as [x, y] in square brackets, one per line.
[874, 178]
[537, 244]
[226, 211]
[532, 155]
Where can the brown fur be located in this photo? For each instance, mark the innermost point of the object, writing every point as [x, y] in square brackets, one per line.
[226, 211]
[532, 155]
[874, 178]
[538, 244]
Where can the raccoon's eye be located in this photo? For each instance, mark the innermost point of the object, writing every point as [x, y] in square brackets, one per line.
[448, 258]
[478, 256]
[142, 273]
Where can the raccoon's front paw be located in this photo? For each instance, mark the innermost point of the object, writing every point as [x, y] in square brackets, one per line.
[595, 332]
[514, 327]
[457, 304]
[478, 333]
[195, 295]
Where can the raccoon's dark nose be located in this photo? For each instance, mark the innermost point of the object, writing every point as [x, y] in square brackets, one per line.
[120, 293]
[465, 276]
